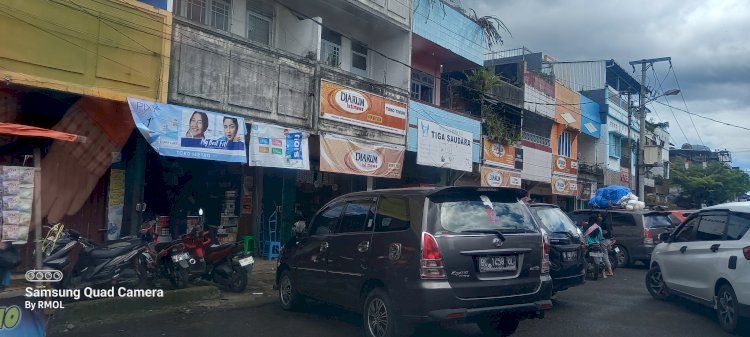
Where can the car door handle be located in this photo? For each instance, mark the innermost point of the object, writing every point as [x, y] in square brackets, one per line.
[683, 249]
[715, 247]
[364, 246]
[323, 246]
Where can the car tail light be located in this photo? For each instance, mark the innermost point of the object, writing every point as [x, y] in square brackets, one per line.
[431, 263]
[545, 257]
[746, 252]
[648, 238]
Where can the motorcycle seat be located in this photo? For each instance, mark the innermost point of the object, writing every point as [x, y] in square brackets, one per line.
[161, 245]
[111, 250]
[219, 246]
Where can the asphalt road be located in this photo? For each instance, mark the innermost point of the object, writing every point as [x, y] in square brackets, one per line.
[618, 306]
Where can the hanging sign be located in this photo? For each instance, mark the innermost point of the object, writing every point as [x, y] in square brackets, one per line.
[178, 131]
[443, 146]
[563, 185]
[361, 108]
[345, 155]
[276, 146]
[17, 194]
[498, 177]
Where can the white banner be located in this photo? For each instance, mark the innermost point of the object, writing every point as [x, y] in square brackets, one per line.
[276, 146]
[443, 146]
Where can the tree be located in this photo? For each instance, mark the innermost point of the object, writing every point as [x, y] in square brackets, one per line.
[715, 184]
[482, 82]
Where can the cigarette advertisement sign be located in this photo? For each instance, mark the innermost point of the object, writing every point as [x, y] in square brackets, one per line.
[443, 146]
[498, 177]
[345, 155]
[360, 108]
[275, 146]
[562, 185]
[564, 165]
[497, 154]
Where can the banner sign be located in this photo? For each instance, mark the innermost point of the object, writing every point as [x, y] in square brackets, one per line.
[564, 165]
[562, 185]
[276, 146]
[17, 195]
[443, 146]
[360, 108]
[498, 177]
[345, 155]
[116, 203]
[497, 154]
[624, 174]
[178, 131]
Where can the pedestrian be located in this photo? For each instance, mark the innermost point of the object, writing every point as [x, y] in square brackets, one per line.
[607, 234]
[592, 235]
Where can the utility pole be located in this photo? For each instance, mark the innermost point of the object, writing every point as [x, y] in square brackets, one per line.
[640, 168]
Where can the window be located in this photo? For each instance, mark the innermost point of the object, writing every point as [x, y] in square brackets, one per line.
[739, 223]
[216, 13]
[657, 220]
[393, 214]
[327, 221]
[555, 220]
[220, 14]
[711, 227]
[357, 217]
[615, 145]
[330, 48]
[687, 233]
[622, 219]
[463, 211]
[564, 144]
[258, 28]
[359, 58]
[422, 86]
[193, 10]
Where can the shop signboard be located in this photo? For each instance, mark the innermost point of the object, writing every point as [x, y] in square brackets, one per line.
[443, 146]
[360, 108]
[624, 174]
[564, 185]
[499, 177]
[497, 154]
[564, 165]
[178, 131]
[17, 195]
[276, 146]
[115, 203]
[341, 154]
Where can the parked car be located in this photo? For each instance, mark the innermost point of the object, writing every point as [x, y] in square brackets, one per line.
[706, 259]
[567, 263]
[636, 232]
[678, 216]
[407, 256]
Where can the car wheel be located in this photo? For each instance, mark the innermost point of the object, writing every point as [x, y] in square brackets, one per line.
[380, 317]
[727, 309]
[506, 326]
[288, 296]
[655, 284]
[624, 258]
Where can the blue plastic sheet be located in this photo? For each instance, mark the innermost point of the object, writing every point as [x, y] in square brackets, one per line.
[608, 196]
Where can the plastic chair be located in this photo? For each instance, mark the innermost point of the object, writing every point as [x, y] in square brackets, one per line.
[249, 244]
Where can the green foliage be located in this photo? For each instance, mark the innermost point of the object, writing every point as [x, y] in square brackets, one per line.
[483, 81]
[715, 184]
[491, 27]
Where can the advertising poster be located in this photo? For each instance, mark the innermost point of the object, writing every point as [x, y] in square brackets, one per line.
[443, 146]
[115, 204]
[178, 131]
[498, 177]
[562, 185]
[497, 154]
[340, 154]
[17, 198]
[360, 108]
[564, 165]
[18, 321]
[275, 146]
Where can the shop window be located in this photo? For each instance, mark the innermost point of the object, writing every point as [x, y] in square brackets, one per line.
[359, 59]
[357, 217]
[393, 214]
[564, 144]
[327, 221]
[615, 145]
[330, 48]
[422, 86]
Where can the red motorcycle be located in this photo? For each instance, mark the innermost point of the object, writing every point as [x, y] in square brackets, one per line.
[169, 259]
[224, 264]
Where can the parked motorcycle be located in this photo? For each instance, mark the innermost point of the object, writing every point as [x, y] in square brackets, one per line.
[224, 264]
[594, 268]
[85, 263]
[167, 259]
[616, 257]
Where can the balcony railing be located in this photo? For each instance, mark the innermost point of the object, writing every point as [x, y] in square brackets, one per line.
[536, 139]
[507, 53]
[509, 94]
[588, 168]
[616, 99]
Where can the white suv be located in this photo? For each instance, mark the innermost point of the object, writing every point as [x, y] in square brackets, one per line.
[707, 260]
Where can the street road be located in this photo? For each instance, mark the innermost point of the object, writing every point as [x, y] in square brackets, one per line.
[618, 306]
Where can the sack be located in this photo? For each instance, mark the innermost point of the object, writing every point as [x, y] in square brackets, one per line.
[9, 258]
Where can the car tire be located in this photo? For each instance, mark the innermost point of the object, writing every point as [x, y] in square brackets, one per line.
[380, 318]
[289, 298]
[727, 311]
[505, 326]
[656, 285]
[625, 257]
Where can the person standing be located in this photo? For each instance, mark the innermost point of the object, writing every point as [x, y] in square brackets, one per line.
[607, 237]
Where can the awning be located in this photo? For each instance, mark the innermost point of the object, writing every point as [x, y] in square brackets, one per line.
[33, 131]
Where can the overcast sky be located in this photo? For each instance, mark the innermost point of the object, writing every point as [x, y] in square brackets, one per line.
[709, 42]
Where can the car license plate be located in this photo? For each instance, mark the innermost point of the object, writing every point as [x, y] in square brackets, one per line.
[617, 249]
[596, 254]
[497, 263]
[179, 257]
[570, 256]
[246, 261]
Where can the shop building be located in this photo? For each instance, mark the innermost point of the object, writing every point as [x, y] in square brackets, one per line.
[565, 134]
[590, 173]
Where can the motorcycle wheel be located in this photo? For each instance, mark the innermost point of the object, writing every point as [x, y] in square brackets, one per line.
[238, 280]
[178, 276]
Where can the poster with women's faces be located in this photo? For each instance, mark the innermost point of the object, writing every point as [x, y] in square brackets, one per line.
[179, 131]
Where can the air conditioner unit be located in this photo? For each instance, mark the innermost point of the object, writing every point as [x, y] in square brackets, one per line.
[652, 155]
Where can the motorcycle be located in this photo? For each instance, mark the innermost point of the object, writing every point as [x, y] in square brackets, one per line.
[616, 257]
[594, 268]
[85, 263]
[224, 264]
[167, 259]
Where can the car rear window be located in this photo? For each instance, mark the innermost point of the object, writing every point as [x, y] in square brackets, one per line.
[657, 220]
[483, 211]
[555, 220]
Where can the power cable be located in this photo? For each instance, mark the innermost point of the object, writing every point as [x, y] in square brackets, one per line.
[687, 140]
[686, 107]
[704, 117]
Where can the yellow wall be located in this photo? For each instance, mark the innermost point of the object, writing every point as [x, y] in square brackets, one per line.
[104, 48]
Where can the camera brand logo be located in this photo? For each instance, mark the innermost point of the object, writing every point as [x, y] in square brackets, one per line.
[46, 275]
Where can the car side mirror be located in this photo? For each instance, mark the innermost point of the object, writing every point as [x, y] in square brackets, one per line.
[664, 237]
